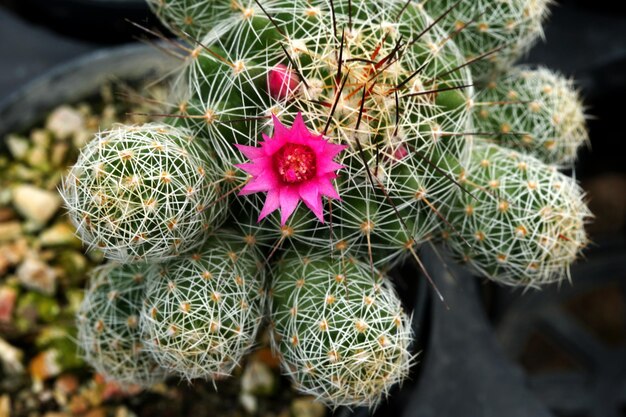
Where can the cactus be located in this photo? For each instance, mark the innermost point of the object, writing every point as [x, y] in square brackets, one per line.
[341, 134]
[521, 222]
[202, 311]
[108, 325]
[482, 27]
[341, 332]
[231, 79]
[142, 193]
[190, 17]
[535, 111]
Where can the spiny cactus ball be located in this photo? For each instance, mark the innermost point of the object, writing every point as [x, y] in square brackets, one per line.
[506, 27]
[108, 325]
[191, 17]
[524, 222]
[142, 193]
[340, 329]
[380, 81]
[203, 310]
[535, 111]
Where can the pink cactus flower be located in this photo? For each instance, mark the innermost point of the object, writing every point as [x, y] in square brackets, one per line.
[293, 165]
[282, 82]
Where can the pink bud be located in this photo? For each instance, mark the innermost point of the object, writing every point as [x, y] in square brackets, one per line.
[400, 153]
[282, 82]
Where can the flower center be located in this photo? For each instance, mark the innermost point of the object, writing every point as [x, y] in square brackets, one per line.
[295, 163]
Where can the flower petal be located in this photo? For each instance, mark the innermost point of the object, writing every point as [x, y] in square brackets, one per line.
[265, 182]
[272, 202]
[250, 151]
[289, 199]
[311, 197]
[327, 167]
[282, 194]
[326, 188]
[331, 150]
[257, 167]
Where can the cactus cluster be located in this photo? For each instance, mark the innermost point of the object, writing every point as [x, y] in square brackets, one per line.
[333, 137]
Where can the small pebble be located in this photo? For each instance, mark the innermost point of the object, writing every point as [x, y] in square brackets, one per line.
[60, 234]
[10, 231]
[5, 406]
[96, 412]
[45, 365]
[6, 214]
[15, 251]
[40, 138]
[64, 122]
[18, 146]
[59, 153]
[8, 295]
[38, 159]
[12, 254]
[36, 275]
[67, 384]
[248, 402]
[10, 358]
[307, 407]
[257, 379]
[35, 204]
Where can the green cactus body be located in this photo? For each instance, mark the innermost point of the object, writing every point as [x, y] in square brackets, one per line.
[108, 325]
[524, 222]
[142, 193]
[479, 27]
[534, 111]
[203, 310]
[340, 331]
[191, 17]
[384, 54]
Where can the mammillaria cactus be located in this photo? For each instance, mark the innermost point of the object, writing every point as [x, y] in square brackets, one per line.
[142, 193]
[499, 30]
[192, 17]
[524, 220]
[542, 107]
[203, 310]
[108, 325]
[388, 87]
[342, 333]
[342, 135]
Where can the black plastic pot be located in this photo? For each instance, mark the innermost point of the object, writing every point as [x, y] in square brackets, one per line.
[79, 80]
[583, 369]
[102, 21]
